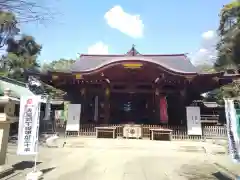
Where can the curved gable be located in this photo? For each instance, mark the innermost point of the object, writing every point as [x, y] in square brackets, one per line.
[176, 63]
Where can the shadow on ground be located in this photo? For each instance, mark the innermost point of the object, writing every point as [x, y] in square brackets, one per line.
[24, 165]
[221, 176]
[44, 171]
[203, 171]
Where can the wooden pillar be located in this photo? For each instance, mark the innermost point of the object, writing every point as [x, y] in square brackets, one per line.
[83, 104]
[183, 107]
[157, 106]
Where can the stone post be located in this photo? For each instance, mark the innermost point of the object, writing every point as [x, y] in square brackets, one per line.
[6, 118]
[4, 135]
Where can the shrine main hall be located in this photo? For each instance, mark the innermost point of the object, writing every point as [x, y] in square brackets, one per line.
[133, 87]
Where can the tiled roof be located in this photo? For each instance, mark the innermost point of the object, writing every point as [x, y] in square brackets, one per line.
[176, 62]
[17, 88]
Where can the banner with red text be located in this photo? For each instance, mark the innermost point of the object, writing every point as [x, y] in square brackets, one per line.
[28, 125]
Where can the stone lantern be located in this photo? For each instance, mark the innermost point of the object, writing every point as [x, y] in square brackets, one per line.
[7, 109]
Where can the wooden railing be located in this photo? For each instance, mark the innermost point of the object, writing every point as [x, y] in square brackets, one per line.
[209, 118]
[179, 132]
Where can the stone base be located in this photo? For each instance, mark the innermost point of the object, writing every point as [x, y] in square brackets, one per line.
[6, 170]
[34, 175]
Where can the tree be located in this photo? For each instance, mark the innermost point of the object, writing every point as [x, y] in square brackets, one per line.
[25, 11]
[21, 54]
[229, 31]
[26, 46]
[228, 49]
[8, 27]
[206, 68]
[59, 65]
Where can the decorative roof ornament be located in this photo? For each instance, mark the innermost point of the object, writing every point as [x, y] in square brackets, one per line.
[35, 85]
[132, 51]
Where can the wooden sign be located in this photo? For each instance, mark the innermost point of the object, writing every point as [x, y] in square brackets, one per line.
[78, 76]
[132, 65]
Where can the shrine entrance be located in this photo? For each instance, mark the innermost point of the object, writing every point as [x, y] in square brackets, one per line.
[137, 108]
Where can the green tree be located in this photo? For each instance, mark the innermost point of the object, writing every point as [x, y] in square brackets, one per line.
[15, 12]
[229, 32]
[206, 68]
[28, 10]
[59, 65]
[228, 50]
[21, 54]
[8, 27]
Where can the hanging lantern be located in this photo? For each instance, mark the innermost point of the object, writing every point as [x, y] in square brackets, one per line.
[107, 91]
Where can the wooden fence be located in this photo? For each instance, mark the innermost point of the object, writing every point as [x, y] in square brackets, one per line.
[179, 132]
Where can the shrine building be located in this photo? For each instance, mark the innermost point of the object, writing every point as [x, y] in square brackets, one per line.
[133, 87]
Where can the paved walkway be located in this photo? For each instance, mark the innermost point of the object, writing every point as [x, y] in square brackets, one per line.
[106, 159]
[133, 165]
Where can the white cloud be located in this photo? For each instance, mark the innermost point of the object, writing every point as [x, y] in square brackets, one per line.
[202, 50]
[129, 24]
[209, 35]
[98, 48]
[207, 52]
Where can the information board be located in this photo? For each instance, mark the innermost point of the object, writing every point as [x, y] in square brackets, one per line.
[194, 120]
[73, 120]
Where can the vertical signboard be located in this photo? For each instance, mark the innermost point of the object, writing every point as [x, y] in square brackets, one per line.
[28, 125]
[194, 120]
[232, 130]
[73, 121]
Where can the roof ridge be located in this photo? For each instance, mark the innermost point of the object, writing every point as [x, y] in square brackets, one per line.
[13, 81]
[123, 55]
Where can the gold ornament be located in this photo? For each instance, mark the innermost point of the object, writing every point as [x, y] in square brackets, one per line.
[78, 76]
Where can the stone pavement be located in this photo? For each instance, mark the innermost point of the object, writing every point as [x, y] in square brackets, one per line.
[128, 164]
[119, 159]
[24, 164]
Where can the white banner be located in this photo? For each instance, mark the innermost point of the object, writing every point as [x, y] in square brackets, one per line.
[194, 125]
[73, 121]
[232, 130]
[28, 125]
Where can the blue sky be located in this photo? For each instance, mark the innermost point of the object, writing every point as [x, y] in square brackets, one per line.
[157, 27]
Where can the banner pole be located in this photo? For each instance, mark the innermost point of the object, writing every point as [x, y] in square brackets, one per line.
[35, 160]
[35, 174]
[37, 136]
